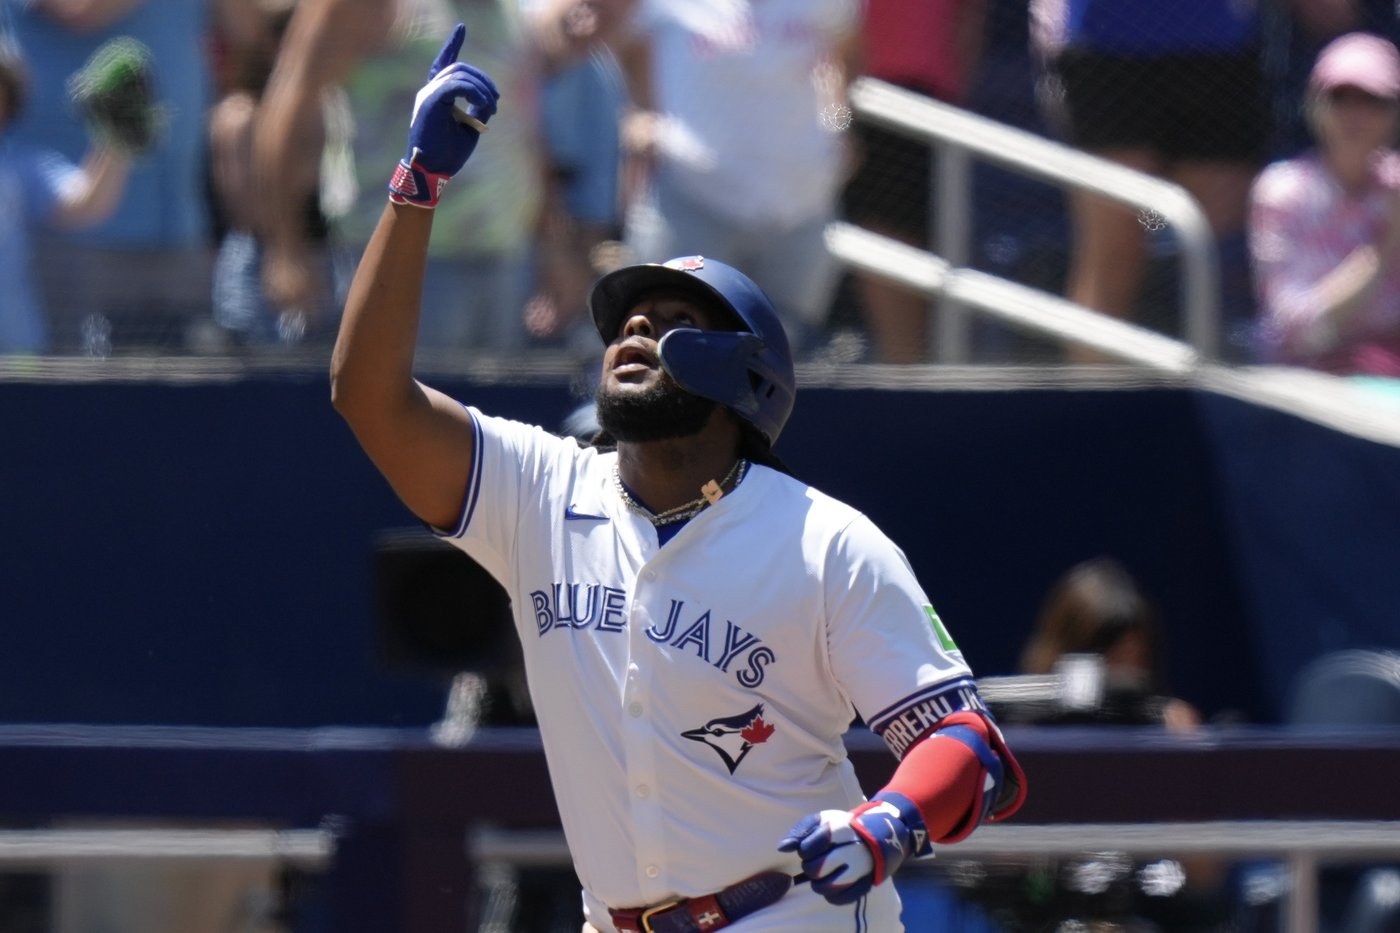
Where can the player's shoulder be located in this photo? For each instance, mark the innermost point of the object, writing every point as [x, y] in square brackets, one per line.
[537, 449]
[817, 509]
[520, 432]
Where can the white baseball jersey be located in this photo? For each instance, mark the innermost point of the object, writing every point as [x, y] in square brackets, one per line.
[691, 697]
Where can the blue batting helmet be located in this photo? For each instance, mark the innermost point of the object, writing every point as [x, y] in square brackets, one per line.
[747, 370]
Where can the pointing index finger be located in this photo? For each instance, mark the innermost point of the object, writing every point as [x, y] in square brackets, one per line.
[450, 50]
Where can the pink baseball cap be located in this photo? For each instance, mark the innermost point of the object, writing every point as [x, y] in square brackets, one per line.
[1360, 60]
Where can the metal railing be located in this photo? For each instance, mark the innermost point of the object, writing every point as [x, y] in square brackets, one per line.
[1011, 302]
[309, 849]
[1303, 846]
[956, 135]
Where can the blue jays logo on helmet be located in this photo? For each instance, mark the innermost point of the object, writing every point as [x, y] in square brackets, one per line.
[732, 737]
[747, 370]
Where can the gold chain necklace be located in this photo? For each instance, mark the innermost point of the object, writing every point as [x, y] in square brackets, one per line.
[710, 493]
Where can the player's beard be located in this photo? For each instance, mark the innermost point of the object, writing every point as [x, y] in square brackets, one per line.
[660, 412]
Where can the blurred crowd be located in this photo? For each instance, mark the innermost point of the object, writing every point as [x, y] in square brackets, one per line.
[636, 130]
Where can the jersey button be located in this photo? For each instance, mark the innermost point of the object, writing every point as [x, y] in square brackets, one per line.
[653, 871]
[643, 791]
[649, 575]
[635, 709]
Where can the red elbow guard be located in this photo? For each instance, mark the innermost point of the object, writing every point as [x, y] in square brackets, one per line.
[959, 775]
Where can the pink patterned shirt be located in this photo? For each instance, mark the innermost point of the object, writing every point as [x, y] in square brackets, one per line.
[1302, 225]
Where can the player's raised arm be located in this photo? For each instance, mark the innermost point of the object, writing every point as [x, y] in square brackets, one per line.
[418, 438]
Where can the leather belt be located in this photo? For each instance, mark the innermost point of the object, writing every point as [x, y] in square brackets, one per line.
[708, 913]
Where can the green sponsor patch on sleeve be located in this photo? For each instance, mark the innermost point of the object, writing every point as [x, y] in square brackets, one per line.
[944, 638]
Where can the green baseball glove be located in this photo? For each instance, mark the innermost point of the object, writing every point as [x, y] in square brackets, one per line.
[114, 94]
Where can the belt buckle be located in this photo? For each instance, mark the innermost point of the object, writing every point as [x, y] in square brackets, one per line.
[645, 919]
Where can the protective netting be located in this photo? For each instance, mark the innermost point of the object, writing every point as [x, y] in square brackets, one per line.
[1203, 94]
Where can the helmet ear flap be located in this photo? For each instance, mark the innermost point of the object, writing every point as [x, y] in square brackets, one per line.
[715, 364]
[748, 369]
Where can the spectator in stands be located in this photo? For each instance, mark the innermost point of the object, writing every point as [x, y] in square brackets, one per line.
[1170, 89]
[1097, 614]
[583, 97]
[1326, 225]
[245, 45]
[38, 188]
[142, 277]
[737, 138]
[931, 47]
[479, 274]
[1294, 33]
[1019, 225]
[1096, 609]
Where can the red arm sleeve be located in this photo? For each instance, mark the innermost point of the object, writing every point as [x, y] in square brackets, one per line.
[947, 780]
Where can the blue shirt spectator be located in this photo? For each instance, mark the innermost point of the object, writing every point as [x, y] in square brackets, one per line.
[1151, 26]
[1175, 90]
[579, 110]
[164, 203]
[30, 183]
[146, 268]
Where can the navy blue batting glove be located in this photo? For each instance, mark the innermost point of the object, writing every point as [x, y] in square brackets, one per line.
[845, 853]
[449, 116]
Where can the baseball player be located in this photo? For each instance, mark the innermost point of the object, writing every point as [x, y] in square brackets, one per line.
[699, 627]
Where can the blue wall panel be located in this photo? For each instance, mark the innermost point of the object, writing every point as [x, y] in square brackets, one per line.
[201, 553]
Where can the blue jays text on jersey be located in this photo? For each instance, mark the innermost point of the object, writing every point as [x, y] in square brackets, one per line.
[580, 606]
[567, 606]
